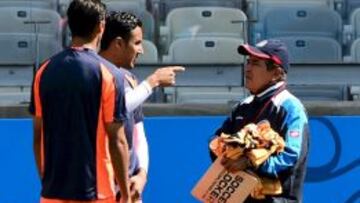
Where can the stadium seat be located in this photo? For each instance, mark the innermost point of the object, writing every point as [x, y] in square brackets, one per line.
[351, 33]
[304, 21]
[355, 24]
[306, 49]
[167, 5]
[350, 6]
[355, 92]
[20, 28]
[48, 4]
[143, 2]
[148, 25]
[150, 53]
[223, 95]
[16, 76]
[117, 4]
[205, 50]
[30, 20]
[137, 9]
[14, 95]
[313, 33]
[320, 92]
[63, 6]
[21, 48]
[257, 10]
[355, 52]
[206, 95]
[205, 21]
[136, 6]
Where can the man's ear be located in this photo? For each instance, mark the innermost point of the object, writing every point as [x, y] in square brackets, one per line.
[119, 42]
[102, 27]
[99, 28]
[278, 73]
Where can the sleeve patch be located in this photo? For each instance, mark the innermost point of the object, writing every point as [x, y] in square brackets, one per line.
[294, 133]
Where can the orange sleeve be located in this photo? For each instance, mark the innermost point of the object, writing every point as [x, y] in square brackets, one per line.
[36, 90]
[113, 95]
[107, 94]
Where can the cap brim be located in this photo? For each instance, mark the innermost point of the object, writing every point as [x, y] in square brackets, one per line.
[246, 49]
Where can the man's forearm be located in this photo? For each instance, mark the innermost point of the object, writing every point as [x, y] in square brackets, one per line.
[120, 158]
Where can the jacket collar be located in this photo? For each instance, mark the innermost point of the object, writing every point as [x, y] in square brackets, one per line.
[270, 91]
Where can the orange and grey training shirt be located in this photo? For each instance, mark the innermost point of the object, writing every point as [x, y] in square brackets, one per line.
[75, 94]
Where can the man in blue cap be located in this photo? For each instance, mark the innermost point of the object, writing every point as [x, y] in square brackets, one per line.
[265, 77]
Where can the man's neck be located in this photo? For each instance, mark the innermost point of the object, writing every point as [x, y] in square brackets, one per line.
[109, 55]
[106, 55]
[81, 42]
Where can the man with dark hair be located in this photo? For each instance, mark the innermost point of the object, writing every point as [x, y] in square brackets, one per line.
[90, 12]
[265, 78]
[121, 45]
[79, 108]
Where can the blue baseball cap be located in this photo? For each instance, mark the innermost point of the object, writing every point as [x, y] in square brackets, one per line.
[272, 49]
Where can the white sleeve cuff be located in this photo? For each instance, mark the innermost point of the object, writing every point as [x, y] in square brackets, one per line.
[135, 97]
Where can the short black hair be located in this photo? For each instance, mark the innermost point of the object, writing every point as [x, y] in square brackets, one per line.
[270, 65]
[119, 24]
[84, 16]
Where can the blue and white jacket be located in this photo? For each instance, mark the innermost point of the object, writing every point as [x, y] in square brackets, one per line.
[287, 116]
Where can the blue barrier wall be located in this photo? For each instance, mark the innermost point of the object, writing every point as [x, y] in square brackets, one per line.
[179, 157]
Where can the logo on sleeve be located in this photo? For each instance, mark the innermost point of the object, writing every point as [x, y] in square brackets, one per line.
[294, 133]
[132, 82]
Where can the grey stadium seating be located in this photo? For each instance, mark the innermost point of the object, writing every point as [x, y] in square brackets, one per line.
[320, 92]
[355, 92]
[257, 11]
[21, 48]
[20, 30]
[207, 95]
[305, 21]
[313, 33]
[205, 21]
[150, 55]
[136, 6]
[165, 6]
[138, 10]
[48, 4]
[28, 35]
[27, 20]
[355, 52]
[355, 23]
[313, 49]
[350, 6]
[14, 95]
[205, 50]
[128, 4]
